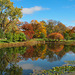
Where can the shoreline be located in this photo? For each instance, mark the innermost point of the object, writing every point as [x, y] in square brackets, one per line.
[18, 44]
[34, 42]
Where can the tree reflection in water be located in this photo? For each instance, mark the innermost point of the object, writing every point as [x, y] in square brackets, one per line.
[51, 52]
[10, 56]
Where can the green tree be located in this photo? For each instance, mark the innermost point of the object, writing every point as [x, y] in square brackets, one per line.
[7, 10]
[22, 36]
[49, 28]
[15, 37]
[42, 35]
[66, 36]
[1, 33]
[73, 36]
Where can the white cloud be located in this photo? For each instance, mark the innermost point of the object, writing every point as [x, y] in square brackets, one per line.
[33, 9]
[29, 66]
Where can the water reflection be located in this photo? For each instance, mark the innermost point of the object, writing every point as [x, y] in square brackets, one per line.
[41, 56]
[10, 56]
[52, 52]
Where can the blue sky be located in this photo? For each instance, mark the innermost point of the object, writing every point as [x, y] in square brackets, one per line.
[59, 10]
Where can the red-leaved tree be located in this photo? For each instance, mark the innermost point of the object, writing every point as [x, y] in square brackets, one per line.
[28, 29]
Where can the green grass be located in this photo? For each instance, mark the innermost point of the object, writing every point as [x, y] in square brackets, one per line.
[37, 39]
[40, 39]
[4, 41]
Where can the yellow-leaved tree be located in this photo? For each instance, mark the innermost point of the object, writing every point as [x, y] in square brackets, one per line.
[39, 29]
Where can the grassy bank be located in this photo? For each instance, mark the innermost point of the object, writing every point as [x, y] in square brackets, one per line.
[67, 42]
[17, 44]
[5, 43]
[40, 39]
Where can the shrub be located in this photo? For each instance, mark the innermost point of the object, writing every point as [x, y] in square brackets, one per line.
[73, 36]
[46, 39]
[9, 36]
[55, 36]
[66, 36]
[22, 37]
[13, 37]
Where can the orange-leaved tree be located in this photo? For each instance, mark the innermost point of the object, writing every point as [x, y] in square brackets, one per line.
[55, 36]
[28, 29]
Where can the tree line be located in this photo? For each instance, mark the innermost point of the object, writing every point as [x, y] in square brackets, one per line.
[15, 30]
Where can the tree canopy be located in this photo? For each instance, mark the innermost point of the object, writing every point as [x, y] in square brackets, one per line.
[8, 13]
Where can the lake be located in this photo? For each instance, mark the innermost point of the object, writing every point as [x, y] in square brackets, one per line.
[24, 60]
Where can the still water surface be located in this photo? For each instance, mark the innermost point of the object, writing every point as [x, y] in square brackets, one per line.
[23, 60]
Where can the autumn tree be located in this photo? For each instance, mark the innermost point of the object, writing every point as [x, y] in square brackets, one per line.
[8, 11]
[56, 47]
[28, 29]
[49, 27]
[69, 33]
[55, 36]
[73, 33]
[73, 30]
[39, 29]
[60, 28]
[13, 33]
[67, 36]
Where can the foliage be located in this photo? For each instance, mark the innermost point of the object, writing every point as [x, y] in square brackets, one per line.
[38, 28]
[7, 10]
[42, 35]
[73, 36]
[28, 29]
[13, 70]
[1, 33]
[66, 36]
[70, 62]
[56, 47]
[13, 37]
[9, 55]
[49, 27]
[73, 30]
[13, 28]
[69, 34]
[56, 36]
[9, 36]
[22, 37]
[60, 28]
